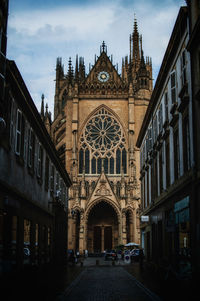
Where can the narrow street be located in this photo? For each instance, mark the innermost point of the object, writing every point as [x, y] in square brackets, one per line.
[105, 282]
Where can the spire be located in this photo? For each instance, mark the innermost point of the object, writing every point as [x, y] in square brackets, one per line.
[42, 107]
[59, 68]
[46, 112]
[70, 70]
[135, 42]
[103, 48]
[135, 28]
[81, 68]
[76, 69]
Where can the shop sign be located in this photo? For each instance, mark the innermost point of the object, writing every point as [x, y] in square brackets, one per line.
[145, 218]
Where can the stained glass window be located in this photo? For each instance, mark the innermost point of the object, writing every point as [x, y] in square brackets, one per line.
[101, 138]
[99, 165]
[124, 160]
[87, 161]
[93, 165]
[111, 165]
[106, 165]
[118, 161]
[81, 161]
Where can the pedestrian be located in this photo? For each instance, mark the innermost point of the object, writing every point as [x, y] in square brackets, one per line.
[141, 258]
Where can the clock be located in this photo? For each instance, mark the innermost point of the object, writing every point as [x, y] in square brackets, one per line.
[103, 76]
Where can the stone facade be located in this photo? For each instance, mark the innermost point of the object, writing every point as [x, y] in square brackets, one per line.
[97, 118]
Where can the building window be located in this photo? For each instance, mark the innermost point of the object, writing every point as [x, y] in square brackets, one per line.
[152, 182]
[19, 143]
[156, 176]
[176, 155]
[99, 161]
[173, 86]
[40, 161]
[149, 140]
[111, 165]
[31, 148]
[147, 188]
[94, 166]
[161, 170]
[87, 161]
[183, 68]
[105, 165]
[12, 122]
[81, 161]
[160, 119]
[144, 192]
[186, 144]
[167, 154]
[27, 239]
[155, 129]
[118, 161]
[47, 173]
[166, 106]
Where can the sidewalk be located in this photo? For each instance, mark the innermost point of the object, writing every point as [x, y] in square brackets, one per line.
[166, 289]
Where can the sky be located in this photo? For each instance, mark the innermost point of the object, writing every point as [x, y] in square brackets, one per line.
[40, 31]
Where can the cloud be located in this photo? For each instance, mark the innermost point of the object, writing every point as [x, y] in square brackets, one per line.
[36, 37]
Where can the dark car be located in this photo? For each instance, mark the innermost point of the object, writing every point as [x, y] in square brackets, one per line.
[135, 255]
[110, 254]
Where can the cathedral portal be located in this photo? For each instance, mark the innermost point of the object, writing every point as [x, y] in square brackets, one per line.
[102, 227]
[97, 120]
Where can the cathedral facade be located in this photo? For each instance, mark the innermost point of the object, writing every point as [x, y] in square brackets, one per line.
[97, 118]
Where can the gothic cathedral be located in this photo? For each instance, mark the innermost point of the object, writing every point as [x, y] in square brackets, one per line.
[97, 118]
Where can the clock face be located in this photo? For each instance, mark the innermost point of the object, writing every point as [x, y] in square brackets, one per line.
[103, 76]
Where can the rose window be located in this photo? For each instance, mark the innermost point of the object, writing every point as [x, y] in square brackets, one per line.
[102, 140]
[103, 133]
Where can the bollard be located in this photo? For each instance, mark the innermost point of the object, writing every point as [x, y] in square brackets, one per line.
[113, 262]
[81, 263]
[97, 262]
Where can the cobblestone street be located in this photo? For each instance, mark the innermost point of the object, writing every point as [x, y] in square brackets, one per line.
[105, 282]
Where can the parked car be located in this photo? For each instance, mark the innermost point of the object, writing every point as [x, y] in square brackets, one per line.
[135, 253]
[110, 254]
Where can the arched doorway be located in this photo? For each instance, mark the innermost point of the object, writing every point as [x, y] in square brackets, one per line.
[102, 228]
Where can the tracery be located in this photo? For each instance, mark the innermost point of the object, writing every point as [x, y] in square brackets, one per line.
[102, 142]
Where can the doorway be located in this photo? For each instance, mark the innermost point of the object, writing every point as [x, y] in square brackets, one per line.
[102, 228]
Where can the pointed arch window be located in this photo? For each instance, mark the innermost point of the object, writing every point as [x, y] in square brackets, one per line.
[106, 165]
[81, 161]
[118, 161]
[124, 160]
[111, 165]
[94, 163]
[99, 165]
[87, 161]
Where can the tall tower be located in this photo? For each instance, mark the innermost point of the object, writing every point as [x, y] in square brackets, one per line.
[97, 118]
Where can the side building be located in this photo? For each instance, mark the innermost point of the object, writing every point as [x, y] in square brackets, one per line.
[3, 48]
[33, 185]
[194, 49]
[167, 159]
